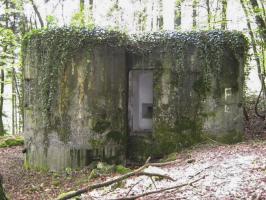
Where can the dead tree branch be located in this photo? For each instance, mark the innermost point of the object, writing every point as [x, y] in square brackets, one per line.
[155, 174]
[170, 163]
[132, 187]
[159, 191]
[137, 172]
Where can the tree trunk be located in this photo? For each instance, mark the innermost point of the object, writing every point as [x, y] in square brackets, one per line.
[224, 15]
[253, 39]
[194, 13]
[262, 6]
[81, 5]
[2, 191]
[91, 10]
[256, 54]
[37, 13]
[260, 21]
[160, 15]
[208, 13]
[82, 11]
[2, 87]
[178, 13]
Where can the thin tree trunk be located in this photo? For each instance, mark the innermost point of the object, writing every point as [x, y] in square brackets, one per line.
[253, 39]
[13, 104]
[255, 51]
[37, 13]
[82, 11]
[91, 10]
[81, 4]
[194, 13]
[259, 20]
[262, 6]
[215, 15]
[160, 15]
[224, 15]
[178, 13]
[18, 102]
[2, 87]
[208, 13]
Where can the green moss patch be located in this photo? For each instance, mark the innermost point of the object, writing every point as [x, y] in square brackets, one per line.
[104, 169]
[9, 141]
[120, 169]
[231, 137]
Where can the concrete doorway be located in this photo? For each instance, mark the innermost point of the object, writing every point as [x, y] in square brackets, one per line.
[140, 101]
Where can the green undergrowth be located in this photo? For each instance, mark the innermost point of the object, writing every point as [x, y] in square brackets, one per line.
[103, 169]
[9, 141]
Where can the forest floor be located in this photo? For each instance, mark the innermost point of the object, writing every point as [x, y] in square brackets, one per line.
[231, 172]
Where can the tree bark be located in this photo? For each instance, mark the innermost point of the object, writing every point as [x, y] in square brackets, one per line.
[37, 13]
[2, 87]
[224, 15]
[263, 8]
[194, 13]
[252, 36]
[256, 54]
[2, 84]
[259, 20]
[160, 20]
[178, 13]
[208, 13]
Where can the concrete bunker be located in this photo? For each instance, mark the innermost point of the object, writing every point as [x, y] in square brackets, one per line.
[101, 95]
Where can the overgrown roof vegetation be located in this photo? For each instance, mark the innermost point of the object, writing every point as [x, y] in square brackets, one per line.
[73, 38]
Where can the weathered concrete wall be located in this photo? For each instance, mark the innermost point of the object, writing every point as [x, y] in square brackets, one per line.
[86, 112]
[77, 90]
[194, 98]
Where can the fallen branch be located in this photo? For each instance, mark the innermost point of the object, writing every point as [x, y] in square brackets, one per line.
[153, 183]
[159, 191]
[103, 184]
[151, 174]
[171, 162]
[137, 172]
[132, 187]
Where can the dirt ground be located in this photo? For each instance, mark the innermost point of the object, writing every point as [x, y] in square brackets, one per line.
[232, 172]
[25, 184]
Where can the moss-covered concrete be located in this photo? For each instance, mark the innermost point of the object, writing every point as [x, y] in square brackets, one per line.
[76, 94]
[198, 91]
[75, 108]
